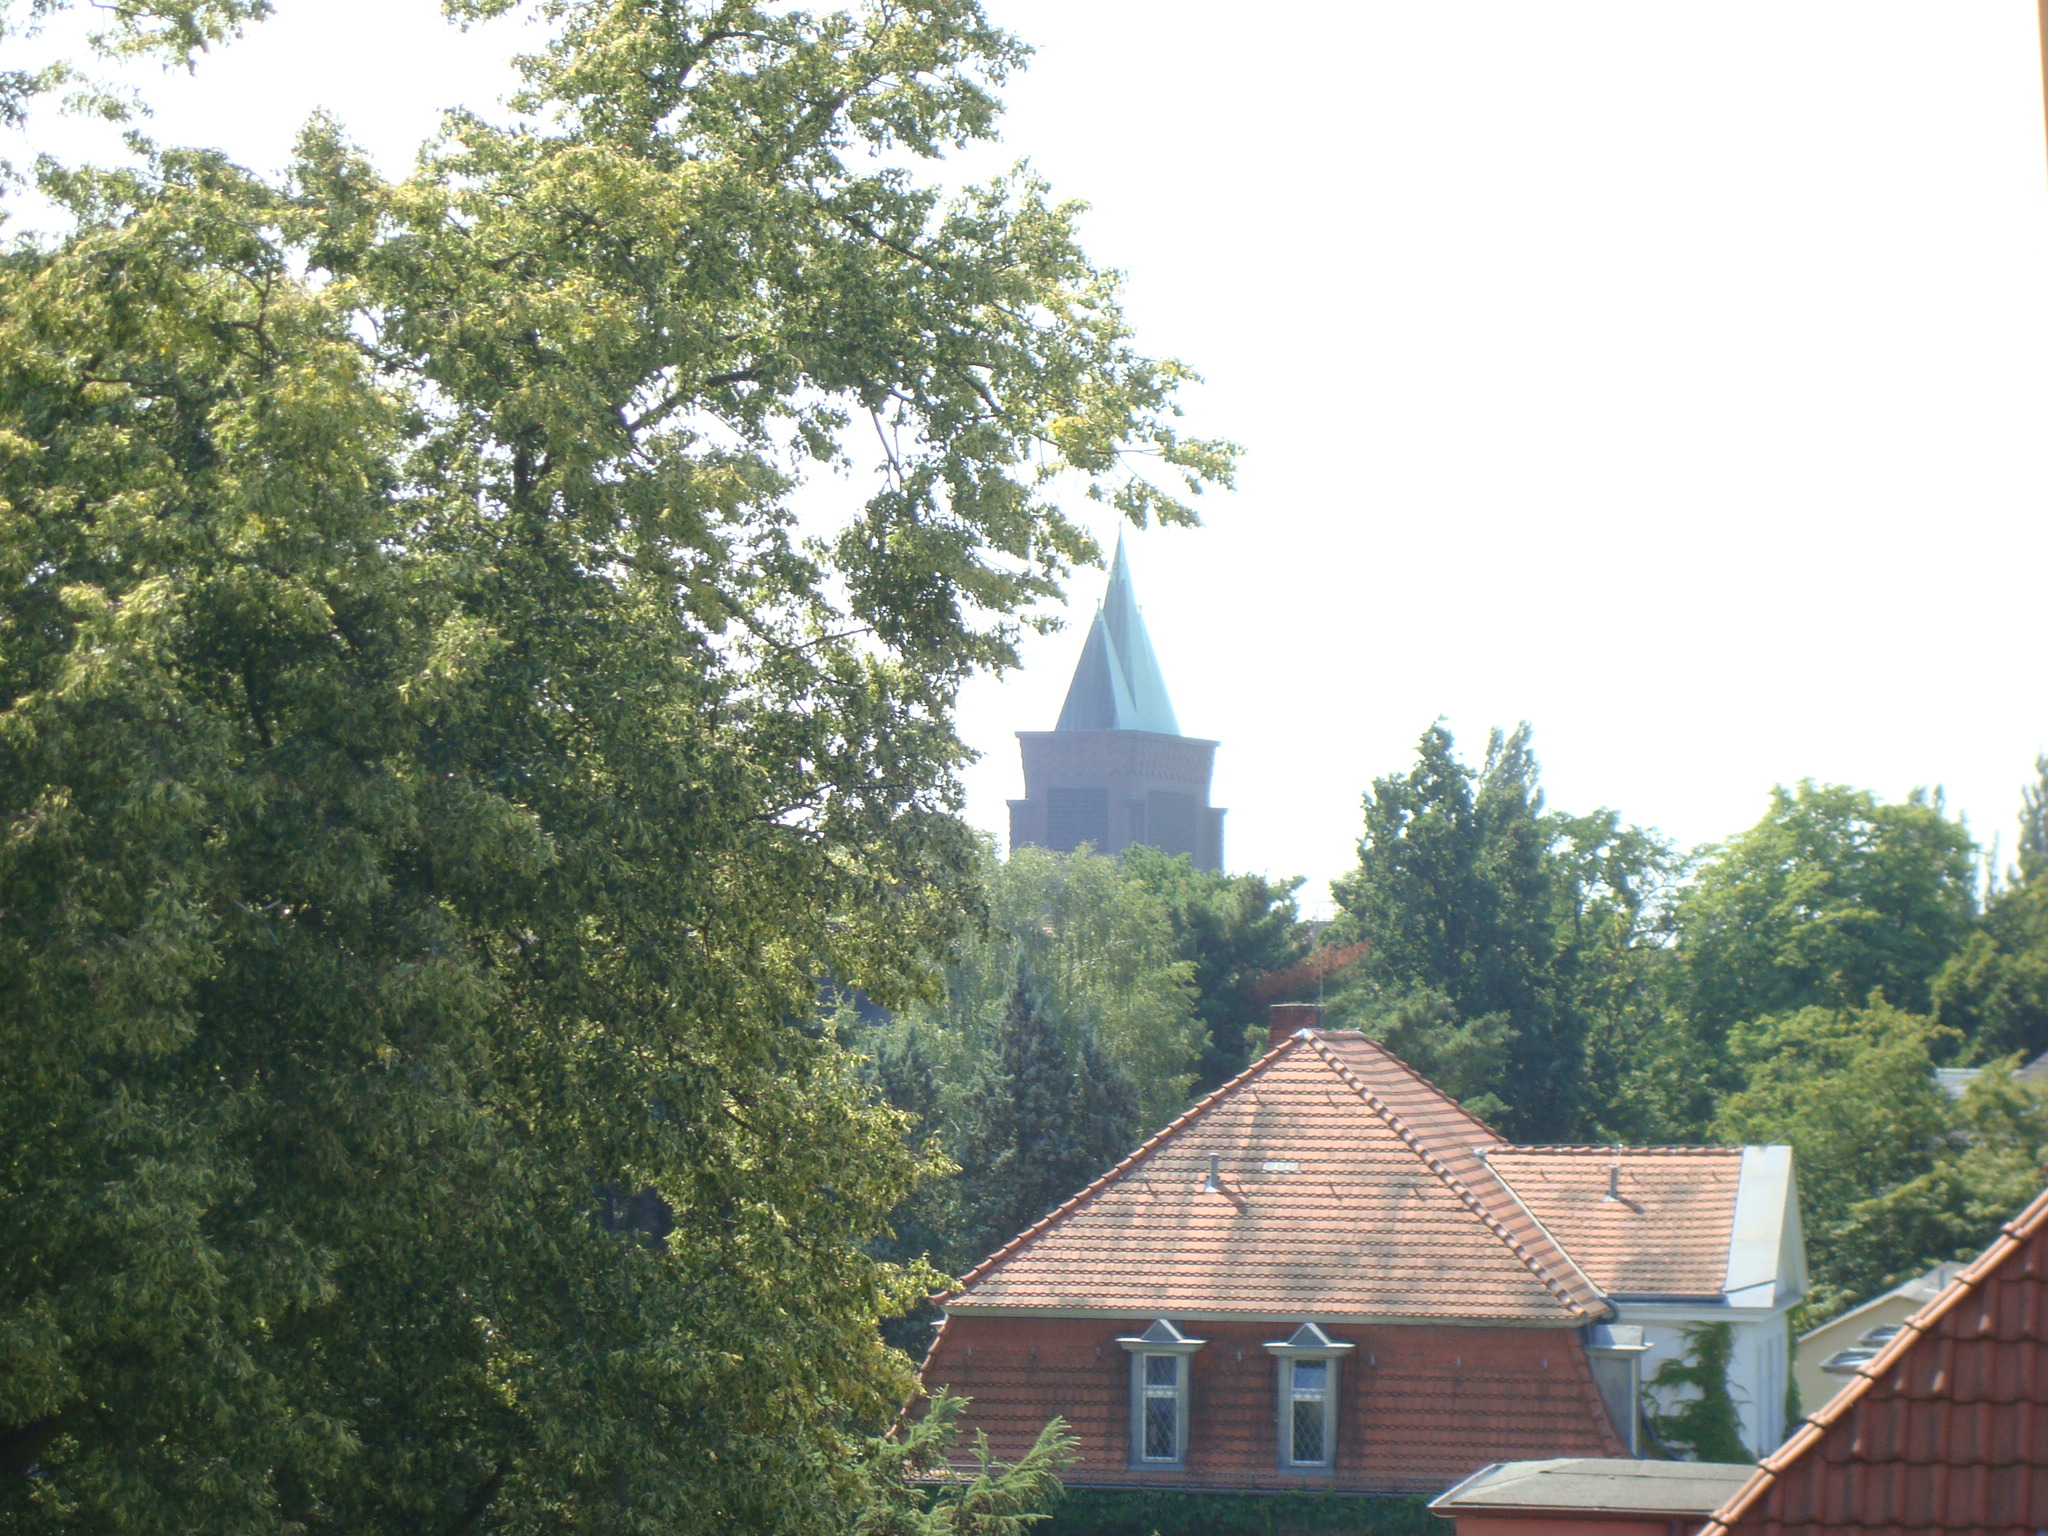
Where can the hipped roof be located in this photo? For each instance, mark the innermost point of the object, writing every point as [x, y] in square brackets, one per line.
[1349, 1188]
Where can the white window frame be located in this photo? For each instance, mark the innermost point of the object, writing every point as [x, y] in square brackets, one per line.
[1160, 1341]
[1308, 1342]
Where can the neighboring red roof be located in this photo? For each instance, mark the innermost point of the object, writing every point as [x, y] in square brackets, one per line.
[1947, 1429]
[1665, 1230]
[1350, 1189]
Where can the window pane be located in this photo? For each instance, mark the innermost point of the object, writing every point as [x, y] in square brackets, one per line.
[1308, 1432]
[1311, 1375]
[1160, 1441]
[1162, 1370]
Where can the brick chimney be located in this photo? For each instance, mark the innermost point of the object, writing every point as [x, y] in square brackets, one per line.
[1283, 1019]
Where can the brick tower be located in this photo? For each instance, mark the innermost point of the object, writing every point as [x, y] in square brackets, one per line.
[1116, 770]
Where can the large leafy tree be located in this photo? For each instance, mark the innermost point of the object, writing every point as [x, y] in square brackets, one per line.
[436, 776]
[1502, 936]
[1852, 1091]
[1235, 930]
[1832, 896]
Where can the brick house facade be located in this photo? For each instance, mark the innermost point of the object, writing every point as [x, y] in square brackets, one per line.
[1319, 1278]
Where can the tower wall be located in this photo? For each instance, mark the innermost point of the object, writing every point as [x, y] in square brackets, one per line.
[1115, 788]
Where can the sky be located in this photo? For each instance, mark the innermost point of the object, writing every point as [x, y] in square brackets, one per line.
[1670, 374]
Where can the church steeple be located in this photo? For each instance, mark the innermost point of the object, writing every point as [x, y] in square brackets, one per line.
[1116, 770]
[1118, 685]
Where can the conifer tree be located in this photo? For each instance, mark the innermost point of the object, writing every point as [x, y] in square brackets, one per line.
[1051, 1121]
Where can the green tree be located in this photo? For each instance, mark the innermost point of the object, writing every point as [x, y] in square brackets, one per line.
[1503, 936]
[1853, 1093]
[1234, 930]
[912, 1498]
[1995, 990]
[436, 777]
[1833, 895]
[1984, 1170]
[1646, 1075]
[1047, 1123]
[1106, 969]
[1065, 1032]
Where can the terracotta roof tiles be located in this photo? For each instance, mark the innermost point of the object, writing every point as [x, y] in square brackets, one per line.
[1349, 1187]
[1639, 1220]
[1946, 1429]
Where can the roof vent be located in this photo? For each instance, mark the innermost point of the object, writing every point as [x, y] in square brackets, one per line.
[1212, 1185]
[1613, 1182]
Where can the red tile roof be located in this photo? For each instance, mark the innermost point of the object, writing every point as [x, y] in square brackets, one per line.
[1663, 1231]
[1350, 1188]
[1947, 1429]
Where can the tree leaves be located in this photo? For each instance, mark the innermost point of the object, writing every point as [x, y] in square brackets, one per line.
[437, 776]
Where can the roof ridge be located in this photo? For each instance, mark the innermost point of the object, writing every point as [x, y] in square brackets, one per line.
[1673, 1150]
[1114, 1170]
[2027, 1225]
[1430, 1160]
[1420, 1080]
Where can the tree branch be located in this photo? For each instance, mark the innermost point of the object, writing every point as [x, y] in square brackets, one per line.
[474, 1510]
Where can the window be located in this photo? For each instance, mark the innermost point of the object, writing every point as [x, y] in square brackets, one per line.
[1308, 1363]
[1614, 1350]
[1310, 1399]
[1162, 1408]
[1160, 1358]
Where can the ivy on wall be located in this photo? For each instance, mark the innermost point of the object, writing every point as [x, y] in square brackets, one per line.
[1705, 1427]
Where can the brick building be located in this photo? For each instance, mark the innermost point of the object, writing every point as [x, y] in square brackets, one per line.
[1328, 1275]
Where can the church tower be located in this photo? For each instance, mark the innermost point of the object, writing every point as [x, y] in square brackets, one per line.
[1116, 770]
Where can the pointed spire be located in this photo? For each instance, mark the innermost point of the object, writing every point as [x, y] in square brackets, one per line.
[1118, 685]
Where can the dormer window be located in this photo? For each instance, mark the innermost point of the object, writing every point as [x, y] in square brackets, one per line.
[1160, 1360]
[1308, 1361]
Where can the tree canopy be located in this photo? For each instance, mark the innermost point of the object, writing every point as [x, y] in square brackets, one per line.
[438, 774]
[1832, 896]
[1503, 937]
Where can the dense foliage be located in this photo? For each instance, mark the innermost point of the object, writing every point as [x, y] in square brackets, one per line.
[1575, 980]
[1075, 1023]
[439, 779]
[437, 776]
[1507, 942]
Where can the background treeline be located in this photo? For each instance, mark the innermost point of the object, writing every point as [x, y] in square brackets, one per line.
[1571, 978]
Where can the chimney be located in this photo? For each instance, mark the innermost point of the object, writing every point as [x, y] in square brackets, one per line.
[1283, 1019]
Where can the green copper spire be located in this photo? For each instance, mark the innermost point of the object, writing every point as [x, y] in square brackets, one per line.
[1118, 685]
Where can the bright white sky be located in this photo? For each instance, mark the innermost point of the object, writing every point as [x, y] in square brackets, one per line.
[1669, 373]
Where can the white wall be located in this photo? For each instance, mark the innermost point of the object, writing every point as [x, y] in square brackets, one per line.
[1757, 1368]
